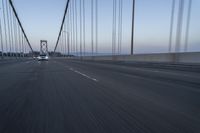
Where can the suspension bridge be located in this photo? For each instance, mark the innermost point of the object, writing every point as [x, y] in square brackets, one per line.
[80, 89]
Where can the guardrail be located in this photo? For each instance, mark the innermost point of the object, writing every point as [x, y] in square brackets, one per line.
[189, 57]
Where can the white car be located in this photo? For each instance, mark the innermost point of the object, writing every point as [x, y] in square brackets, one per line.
[43, 57]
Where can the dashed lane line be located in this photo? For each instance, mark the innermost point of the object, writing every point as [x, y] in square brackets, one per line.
[82, 74]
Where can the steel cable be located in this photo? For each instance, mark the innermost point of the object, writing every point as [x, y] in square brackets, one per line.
[92, 26]
[96, 27]
[84, 27]
[80, 27]
[8, 25]
[5, 28]
[188, 26]
[171, 26]
[1, 38]
[11, 30]
[114, 28]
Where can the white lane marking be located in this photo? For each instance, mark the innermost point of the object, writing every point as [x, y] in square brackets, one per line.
[84, 75]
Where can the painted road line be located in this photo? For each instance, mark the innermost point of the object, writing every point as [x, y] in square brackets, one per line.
[82, 74]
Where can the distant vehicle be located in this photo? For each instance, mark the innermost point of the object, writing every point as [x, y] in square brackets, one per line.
[43, 57]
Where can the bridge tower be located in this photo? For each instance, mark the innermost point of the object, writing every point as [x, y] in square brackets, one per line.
[43, 47]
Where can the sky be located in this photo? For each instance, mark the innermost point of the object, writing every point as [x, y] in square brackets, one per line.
[41, 19]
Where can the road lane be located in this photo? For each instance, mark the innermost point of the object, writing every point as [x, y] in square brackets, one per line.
[60, 96]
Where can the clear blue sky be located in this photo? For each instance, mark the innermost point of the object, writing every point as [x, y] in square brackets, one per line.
[42, 18]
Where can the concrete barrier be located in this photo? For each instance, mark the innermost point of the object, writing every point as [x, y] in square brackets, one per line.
[189, 57]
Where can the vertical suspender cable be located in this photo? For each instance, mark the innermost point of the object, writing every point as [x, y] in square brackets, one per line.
[22, 45]
[66, 27]
[65, 37]
[9, 35]
[70, 29]
[62, 42]
[67, 31]
[59, 44]
[171, 26]
[84, 27]
[188, 26]
[16, 38]
[80, 28]
[5, 28]
[76, 25]
[25, 47]
[60, 50]
[1, 38]
[11, 29]
[73, 23]
[74, 28]
[114, 28]
[68, 44]
[133, 27]
[14, 35]
[19, 39]
[25, 43]
[179, 25]
[120, 26]
[92, 25]
[96, 27]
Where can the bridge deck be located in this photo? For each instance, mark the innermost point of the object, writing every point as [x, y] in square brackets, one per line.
[73, 96]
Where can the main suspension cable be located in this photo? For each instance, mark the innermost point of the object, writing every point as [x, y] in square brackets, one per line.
[19, 22]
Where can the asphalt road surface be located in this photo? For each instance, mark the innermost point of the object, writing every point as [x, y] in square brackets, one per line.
[68, 96]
